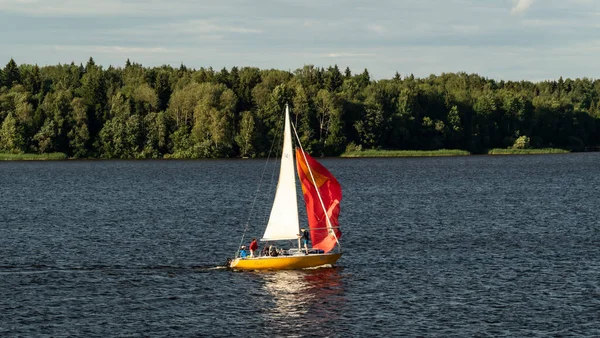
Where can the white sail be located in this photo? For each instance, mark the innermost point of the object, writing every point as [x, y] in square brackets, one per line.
[283, 222]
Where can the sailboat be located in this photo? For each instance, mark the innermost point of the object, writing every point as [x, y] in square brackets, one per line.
[322, 195]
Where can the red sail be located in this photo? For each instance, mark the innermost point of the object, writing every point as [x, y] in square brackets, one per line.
[322, 234]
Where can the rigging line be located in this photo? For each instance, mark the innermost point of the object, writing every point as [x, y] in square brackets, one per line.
[255, 197]
[317, 189]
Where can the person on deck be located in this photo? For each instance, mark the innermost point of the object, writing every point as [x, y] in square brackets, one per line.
[253, 247]
[305, 238]
[243, 253]
[265, 250]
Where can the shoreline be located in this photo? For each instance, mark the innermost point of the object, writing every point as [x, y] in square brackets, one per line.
[350, 154]
[404, 153]
[540, 151]
[450, 152]
[34, 157]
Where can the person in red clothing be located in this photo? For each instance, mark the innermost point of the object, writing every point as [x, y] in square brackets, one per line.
[253, 247]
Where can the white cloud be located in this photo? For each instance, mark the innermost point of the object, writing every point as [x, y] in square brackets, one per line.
[561, 23]
[379, 29]
[467, 29]
[348, 55]
[309, 23]
[588, 48]
[95, 8]
[521, 6]
[209, 26]
[64, 7]
[420, 37]
[112, 49]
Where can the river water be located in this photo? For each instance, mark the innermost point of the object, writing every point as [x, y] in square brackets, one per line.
[460, 246]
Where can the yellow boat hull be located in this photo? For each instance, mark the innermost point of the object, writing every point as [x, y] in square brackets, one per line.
[284, 262]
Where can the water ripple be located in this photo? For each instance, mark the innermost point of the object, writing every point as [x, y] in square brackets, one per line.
[447, 247]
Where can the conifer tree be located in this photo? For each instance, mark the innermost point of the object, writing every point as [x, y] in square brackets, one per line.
[12, 75]
[163, 90]
[347, 73]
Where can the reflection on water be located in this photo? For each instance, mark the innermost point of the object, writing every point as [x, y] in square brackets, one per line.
[301, 298]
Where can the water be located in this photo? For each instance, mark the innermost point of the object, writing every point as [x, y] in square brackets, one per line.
[465, 246]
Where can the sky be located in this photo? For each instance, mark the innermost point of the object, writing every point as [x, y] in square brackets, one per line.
[501, 39]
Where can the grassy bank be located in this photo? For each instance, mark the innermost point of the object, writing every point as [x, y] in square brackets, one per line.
[34, 157]
[404, 153]
[527, 151]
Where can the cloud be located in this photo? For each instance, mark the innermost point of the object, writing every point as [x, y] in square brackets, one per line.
[309, 23]
[420, 37]
[113, 49]
[377, 29]
[208, 26]
[562, 23]
[466, 29]
[64, 7]
[105, 8]
[521, 6]
[348, 55]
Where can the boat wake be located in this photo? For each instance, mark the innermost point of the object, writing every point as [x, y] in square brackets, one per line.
[324, 266]
[42, 268]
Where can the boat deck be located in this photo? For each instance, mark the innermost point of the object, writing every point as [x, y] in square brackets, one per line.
[294, 260]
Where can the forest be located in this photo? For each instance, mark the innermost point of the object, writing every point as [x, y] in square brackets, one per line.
[135, 112]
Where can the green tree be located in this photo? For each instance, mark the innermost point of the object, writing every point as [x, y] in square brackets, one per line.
[93, 91]
[370, 127]
[484, 124]
[163, 89]
[303, 117]
[213, 121]
[200, 113]
[121, 136]
[79, 136]
[335, 143]
[144, 99]
[223, 77]
[249, 77]
[309, 77]
[182, 145]
[326, 107]
[455, 125]
[12, 74]
[334, 78]
[182, 104]
[347, 73]
[55, 111]
[156, 134]
[32, 80]
[246, 137]
[46, 137]
[522, 142]
[403, 120]
[363, 79]
[11, 136]
[18, 101]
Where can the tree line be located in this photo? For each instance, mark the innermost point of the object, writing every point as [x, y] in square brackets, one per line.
[142, 112]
